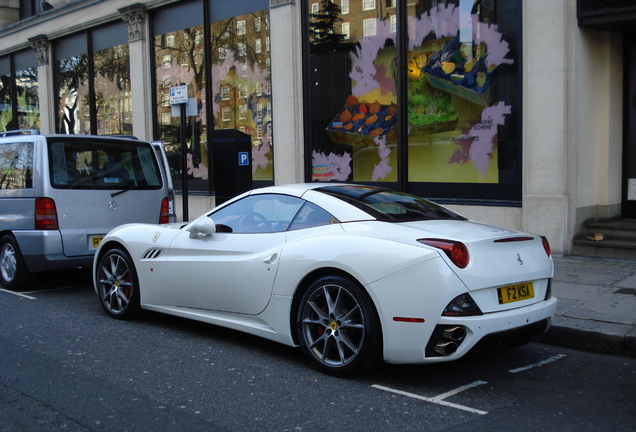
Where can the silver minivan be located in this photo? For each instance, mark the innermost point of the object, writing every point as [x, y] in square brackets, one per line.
[60, 194]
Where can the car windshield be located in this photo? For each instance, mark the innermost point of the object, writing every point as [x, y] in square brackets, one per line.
[389, 206]
[102, 164]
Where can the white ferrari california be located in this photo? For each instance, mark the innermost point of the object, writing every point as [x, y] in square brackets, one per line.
[352, 274]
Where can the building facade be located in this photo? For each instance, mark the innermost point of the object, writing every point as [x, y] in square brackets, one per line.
[518, 113]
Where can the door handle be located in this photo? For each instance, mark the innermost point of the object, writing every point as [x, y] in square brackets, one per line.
[270, 259]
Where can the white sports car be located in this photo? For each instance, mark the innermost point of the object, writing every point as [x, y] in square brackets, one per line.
[352, 274]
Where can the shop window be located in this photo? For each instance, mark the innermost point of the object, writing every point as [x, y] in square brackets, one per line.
[113, 98]
[186, 67]
[244, 68]
[6, 113]
[27, 90]
[461, 113]
[74, 94]
[93, 81]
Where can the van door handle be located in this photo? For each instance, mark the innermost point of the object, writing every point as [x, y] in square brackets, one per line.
[270, 259]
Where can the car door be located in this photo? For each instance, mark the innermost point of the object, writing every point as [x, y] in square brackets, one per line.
[234, 269]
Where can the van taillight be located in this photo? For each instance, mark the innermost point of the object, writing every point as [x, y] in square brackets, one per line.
[45, 214]
[164, 214]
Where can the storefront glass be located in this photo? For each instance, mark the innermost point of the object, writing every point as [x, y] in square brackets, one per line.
[241, 77]
[179, 60]
[6, 113]
[27, 98]
[113, 98]
[93, 81]
[353, 101]
[72, 84]
[462, 84]
[26, 84]
[111, 79]
[463, 98]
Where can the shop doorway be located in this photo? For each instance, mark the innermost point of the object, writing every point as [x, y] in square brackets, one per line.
[629, 150]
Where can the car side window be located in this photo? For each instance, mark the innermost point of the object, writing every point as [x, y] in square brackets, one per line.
[311, 216]
[262, 213]
[16, 165]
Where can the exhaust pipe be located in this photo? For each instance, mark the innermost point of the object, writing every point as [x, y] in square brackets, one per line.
[455, 333]
[446, 348]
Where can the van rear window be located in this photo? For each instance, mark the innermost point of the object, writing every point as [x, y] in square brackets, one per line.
[102, 164]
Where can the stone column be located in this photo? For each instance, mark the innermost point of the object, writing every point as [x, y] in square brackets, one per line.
[140, 73]
[46, 89]
[287, 89]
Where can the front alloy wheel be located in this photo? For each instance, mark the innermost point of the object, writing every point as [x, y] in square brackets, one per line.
[338, 327]
[117, 284]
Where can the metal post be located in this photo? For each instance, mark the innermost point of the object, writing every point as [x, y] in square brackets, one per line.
[184, 164]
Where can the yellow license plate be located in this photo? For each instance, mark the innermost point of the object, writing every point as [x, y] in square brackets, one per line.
[515, 293]
[95, 241]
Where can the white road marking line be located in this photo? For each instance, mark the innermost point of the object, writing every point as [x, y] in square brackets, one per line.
[50, 290]
[541, 363]
[439, 400]
[18, 294]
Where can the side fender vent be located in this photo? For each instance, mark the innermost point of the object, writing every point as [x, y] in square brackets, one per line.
[152, 254]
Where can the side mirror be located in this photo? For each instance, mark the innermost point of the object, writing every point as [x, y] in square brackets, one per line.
[205, 226]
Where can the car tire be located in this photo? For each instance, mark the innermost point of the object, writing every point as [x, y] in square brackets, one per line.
[14, 274]
[338, 327]
[118, 284]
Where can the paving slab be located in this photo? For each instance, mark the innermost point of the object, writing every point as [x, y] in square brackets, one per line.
[596, 310]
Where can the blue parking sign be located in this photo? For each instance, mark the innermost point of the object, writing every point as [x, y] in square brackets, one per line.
[243, 158]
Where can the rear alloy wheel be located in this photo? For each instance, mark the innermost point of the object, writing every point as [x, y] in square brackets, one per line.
[117, 285]
[13, 272]
[338, 327]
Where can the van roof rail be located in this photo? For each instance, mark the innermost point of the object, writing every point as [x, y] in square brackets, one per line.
[122, 136]
[20, 132]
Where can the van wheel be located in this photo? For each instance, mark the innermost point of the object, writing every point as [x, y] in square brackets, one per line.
[13, 272]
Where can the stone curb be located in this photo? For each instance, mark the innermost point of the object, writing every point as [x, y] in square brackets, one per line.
[592, 336]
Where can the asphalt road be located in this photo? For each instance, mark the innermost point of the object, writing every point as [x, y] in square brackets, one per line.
[66, 366]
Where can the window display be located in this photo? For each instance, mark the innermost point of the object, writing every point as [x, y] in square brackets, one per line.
[462, 103]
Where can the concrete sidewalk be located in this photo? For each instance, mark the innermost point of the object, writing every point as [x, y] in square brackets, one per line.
[596, 310]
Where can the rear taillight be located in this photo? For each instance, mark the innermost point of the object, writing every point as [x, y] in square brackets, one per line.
[164, 214]
[45, 214]
[456, 251]
[546, 245]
